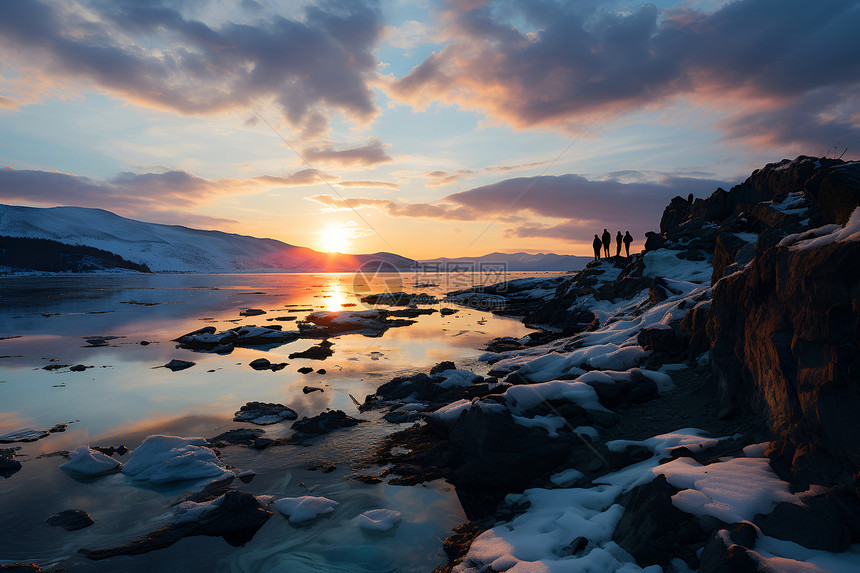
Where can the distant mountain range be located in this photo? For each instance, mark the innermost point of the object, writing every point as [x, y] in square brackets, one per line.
[173, 248]
[512, 262]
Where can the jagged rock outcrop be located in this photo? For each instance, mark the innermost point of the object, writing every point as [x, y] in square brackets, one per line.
[784, 346]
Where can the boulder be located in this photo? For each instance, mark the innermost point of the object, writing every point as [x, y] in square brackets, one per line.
[653, 530]
[837, 190]
[175, 365]
[264, 413]
[805, 526]
[726, 551]
[324, 423]
[70, 519]
[8, 464]
[497, 452]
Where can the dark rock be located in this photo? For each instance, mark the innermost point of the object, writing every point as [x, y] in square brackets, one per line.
[630, 455]
[264, 413]
[237, 518]
[55, 367]
[402, 417]
[674, 214]
[260, 364]
[175, 365]
[8, 464]
[784, 349]
[499, 453]
[57, 428]
[717, 557]
[305, 370]
[653, 530]
[111, 450]
[252, 312]
[575, 547]
[804, 526]
[309, 389]
[240, 436]
[448, 311]
[79, 368]
[442, 366]
[411, 312]
[653, 241]
[321, 371]
[399, 299]
[320, 351]
[503, 344]
[692, 255]
[324, 423]
[837, 189]
[264, 364]
[70, 519]
[724, 253]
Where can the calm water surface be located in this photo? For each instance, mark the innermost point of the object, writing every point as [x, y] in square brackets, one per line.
[125, 396]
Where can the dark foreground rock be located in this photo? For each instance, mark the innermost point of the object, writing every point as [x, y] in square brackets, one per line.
[653, 530]
[70, 519]
[8, 464]
[324, 423]
[176, 365]
[239, 436]
[264, 413]
[236, 518]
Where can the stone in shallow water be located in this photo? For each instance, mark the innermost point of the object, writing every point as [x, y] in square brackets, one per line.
[264, 413]
[24, 435]
[70, 519]
[176, 365]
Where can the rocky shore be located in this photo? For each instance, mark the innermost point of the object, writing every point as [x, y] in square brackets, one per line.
[692, 407]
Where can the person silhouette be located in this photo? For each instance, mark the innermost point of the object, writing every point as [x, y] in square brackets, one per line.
[618, 239]
[627, 240]
[607, 238]
[596, 244]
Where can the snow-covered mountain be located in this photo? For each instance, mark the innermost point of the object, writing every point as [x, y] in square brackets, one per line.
[517, 261]
[173, 247]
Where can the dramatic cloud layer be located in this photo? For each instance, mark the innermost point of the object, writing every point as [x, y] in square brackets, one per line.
[581, 204]
[365, 156]
[784, 70]
[153, 54]
[170, 196]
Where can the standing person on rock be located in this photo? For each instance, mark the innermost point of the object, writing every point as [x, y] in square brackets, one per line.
[618, 239]
[607, 238]
[627, 240]
[596, 244]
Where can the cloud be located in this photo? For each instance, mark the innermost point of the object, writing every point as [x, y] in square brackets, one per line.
[167, 197]
[573, 64]
[579, 203]
[153, 54]
[298, 179]
[369, 184]
[373, 153]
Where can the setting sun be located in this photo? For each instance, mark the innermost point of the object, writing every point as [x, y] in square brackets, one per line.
[335, 239]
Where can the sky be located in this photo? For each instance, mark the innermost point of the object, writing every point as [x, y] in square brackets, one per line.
[426, 128]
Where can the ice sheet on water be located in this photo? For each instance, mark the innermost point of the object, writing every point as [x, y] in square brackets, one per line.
[163, 459]
[89, 462]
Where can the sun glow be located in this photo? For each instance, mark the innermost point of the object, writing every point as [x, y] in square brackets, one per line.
[335, 238]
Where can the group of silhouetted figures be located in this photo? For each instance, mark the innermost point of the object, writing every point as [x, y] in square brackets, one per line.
[606, 239]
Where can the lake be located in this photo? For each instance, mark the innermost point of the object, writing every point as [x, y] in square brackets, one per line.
[126, 396]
